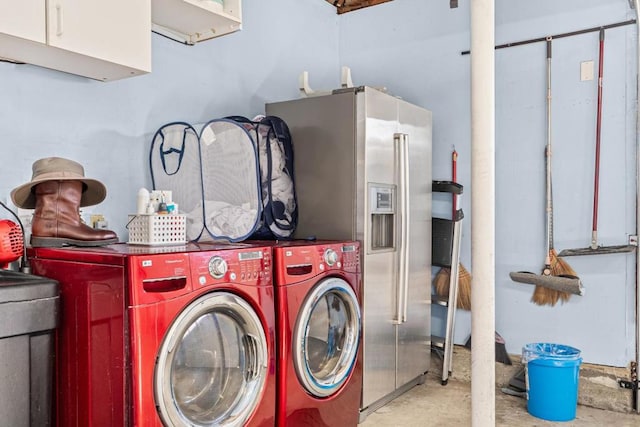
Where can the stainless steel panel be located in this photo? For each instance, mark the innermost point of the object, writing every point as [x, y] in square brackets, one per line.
[380, 125]
[414, 335]
[323, 131]
[379, 332]
[360, 178]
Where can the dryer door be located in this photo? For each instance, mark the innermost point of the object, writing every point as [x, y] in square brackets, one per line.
[212, 364]
[326, 336]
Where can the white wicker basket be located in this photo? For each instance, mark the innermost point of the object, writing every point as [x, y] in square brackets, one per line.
[157, 229]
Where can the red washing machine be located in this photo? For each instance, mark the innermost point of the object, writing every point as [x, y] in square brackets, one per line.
[318, 312]
[175, 336]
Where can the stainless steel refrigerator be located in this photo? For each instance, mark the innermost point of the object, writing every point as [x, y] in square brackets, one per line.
[362, 161]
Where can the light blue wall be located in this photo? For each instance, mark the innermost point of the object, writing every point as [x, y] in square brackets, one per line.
[108, 126]
[413, 48]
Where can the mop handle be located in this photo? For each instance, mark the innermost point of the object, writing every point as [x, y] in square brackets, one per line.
[596, 178]
[548, 158]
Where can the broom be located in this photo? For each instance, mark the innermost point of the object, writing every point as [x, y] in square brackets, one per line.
[554, 265]
[441, 281]
[558, 280]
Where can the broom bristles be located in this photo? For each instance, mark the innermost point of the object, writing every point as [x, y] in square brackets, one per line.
[441, 285]
[545, 296]
[464, 289]
[441, 282]
[559, 266]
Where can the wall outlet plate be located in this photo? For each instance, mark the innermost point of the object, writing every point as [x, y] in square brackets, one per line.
[586, 71]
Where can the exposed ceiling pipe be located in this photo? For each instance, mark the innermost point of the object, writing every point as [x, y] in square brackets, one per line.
[483, 369]
[636, 6]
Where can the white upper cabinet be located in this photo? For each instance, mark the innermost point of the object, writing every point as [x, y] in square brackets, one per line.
[102, 40]
[24, 19]
[117, 31]
[192, 21]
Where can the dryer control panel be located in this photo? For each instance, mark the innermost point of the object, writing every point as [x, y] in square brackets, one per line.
[343, 256]
[297, 261]
[351, 256]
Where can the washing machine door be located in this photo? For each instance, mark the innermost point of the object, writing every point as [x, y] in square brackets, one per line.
[326, 336]
[212, 365]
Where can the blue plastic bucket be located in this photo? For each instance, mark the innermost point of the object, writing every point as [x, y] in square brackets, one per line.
[552, 372]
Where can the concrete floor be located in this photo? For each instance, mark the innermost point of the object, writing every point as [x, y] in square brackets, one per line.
[434, 405]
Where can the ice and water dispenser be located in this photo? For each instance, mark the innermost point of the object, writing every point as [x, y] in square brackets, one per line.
[382, 207]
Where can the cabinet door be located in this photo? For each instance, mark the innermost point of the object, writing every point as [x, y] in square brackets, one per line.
[116, 31]
[24, 19]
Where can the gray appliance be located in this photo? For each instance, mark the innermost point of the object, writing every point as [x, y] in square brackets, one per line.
[29, 316]
[362, 162]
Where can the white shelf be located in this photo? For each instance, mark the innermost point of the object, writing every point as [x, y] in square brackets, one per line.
[193, 21]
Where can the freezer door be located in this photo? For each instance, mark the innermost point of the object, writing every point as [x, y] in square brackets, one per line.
[414, 345]
[377, 113]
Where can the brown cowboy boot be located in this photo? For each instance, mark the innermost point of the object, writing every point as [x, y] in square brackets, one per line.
[56, 220]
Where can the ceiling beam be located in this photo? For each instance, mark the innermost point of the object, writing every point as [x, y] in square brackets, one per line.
[343, 6]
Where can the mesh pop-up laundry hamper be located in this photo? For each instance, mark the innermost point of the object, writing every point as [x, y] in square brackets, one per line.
[213, 176]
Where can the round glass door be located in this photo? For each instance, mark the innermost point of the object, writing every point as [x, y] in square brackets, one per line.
[212, 365]
[325, 342]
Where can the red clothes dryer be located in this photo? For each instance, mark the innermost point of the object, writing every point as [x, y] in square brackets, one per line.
[180, 336]
[318, 312]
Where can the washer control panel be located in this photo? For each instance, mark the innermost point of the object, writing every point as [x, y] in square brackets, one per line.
[251, 265]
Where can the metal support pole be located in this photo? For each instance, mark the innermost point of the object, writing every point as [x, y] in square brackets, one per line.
[637, 293]
[483, 383]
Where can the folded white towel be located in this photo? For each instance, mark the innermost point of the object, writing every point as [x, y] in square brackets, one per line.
[222, 219]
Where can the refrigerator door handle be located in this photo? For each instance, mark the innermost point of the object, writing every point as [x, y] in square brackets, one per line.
[402, 155]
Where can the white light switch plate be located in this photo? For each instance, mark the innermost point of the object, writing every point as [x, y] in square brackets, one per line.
[586, 71]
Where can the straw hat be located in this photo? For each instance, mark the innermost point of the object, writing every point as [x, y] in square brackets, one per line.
[58, 169]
